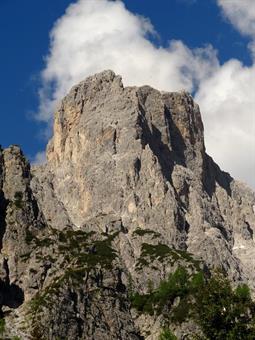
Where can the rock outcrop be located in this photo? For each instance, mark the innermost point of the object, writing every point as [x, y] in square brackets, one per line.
[127, 177]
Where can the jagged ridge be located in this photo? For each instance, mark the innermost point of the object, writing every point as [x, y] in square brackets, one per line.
[128, 167]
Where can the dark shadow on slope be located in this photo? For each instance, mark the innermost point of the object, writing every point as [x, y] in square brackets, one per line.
[212, 174]
[153, 137]
[174, 152]
[11, 295]
[175, 138]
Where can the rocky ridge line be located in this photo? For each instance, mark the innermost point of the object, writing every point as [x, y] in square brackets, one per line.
[127, 193]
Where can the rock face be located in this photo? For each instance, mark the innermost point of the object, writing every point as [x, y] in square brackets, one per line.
[126, 168]
[19, 214]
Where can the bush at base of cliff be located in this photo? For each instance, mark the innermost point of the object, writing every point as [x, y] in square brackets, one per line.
[225, 313]
[221, 311]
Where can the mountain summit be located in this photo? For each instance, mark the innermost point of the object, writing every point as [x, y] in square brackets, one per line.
[128, 196]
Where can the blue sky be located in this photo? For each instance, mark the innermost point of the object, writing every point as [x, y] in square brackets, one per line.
[24, 34]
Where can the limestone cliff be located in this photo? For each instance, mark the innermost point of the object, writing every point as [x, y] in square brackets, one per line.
[127, 175]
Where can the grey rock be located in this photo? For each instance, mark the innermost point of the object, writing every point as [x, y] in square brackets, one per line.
[138, 154]
[127, 167]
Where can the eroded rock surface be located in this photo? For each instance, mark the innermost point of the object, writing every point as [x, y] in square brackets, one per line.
[138, 155]
[128, 168]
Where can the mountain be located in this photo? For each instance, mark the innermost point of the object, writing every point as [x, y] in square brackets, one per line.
[128, 196]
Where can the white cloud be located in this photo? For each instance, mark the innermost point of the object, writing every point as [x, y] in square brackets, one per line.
[97, 35]
[227, 101]
[241, 14]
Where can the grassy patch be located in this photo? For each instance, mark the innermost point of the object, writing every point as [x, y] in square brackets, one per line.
[166, 334]
[162, 252]
[143, 232]
[80, 255]
[78, 248]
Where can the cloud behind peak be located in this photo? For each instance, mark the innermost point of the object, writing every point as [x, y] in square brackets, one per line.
[96, 35]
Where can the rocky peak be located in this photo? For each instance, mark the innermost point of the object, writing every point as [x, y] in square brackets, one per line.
[89, 94]
[128, 194]
[15, 172]
[170, 119]
[101, 127]
[19, 215]
[136, 155]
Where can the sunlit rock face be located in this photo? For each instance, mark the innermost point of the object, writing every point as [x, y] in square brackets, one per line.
[116, 150]
[137, 155]
[127, 164]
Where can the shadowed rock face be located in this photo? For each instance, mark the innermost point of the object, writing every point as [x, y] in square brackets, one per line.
[126, 168]
[18, 214]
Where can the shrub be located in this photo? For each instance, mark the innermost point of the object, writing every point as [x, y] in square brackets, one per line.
[224, 313]
[221, 311]
[2, 326]
[175, 286]
[166, 334]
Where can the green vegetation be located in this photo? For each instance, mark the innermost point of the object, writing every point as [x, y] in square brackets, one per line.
[79, 249]
[161, 252]
[225, 313]
[80, 254]
[76, 248]
[158, 251]
[18, 196]
[143, 232]
[177, 285]
[2, 331]
[29, 236]
[221, 311]
[2, 326]
[166, 334]
[38, 243]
